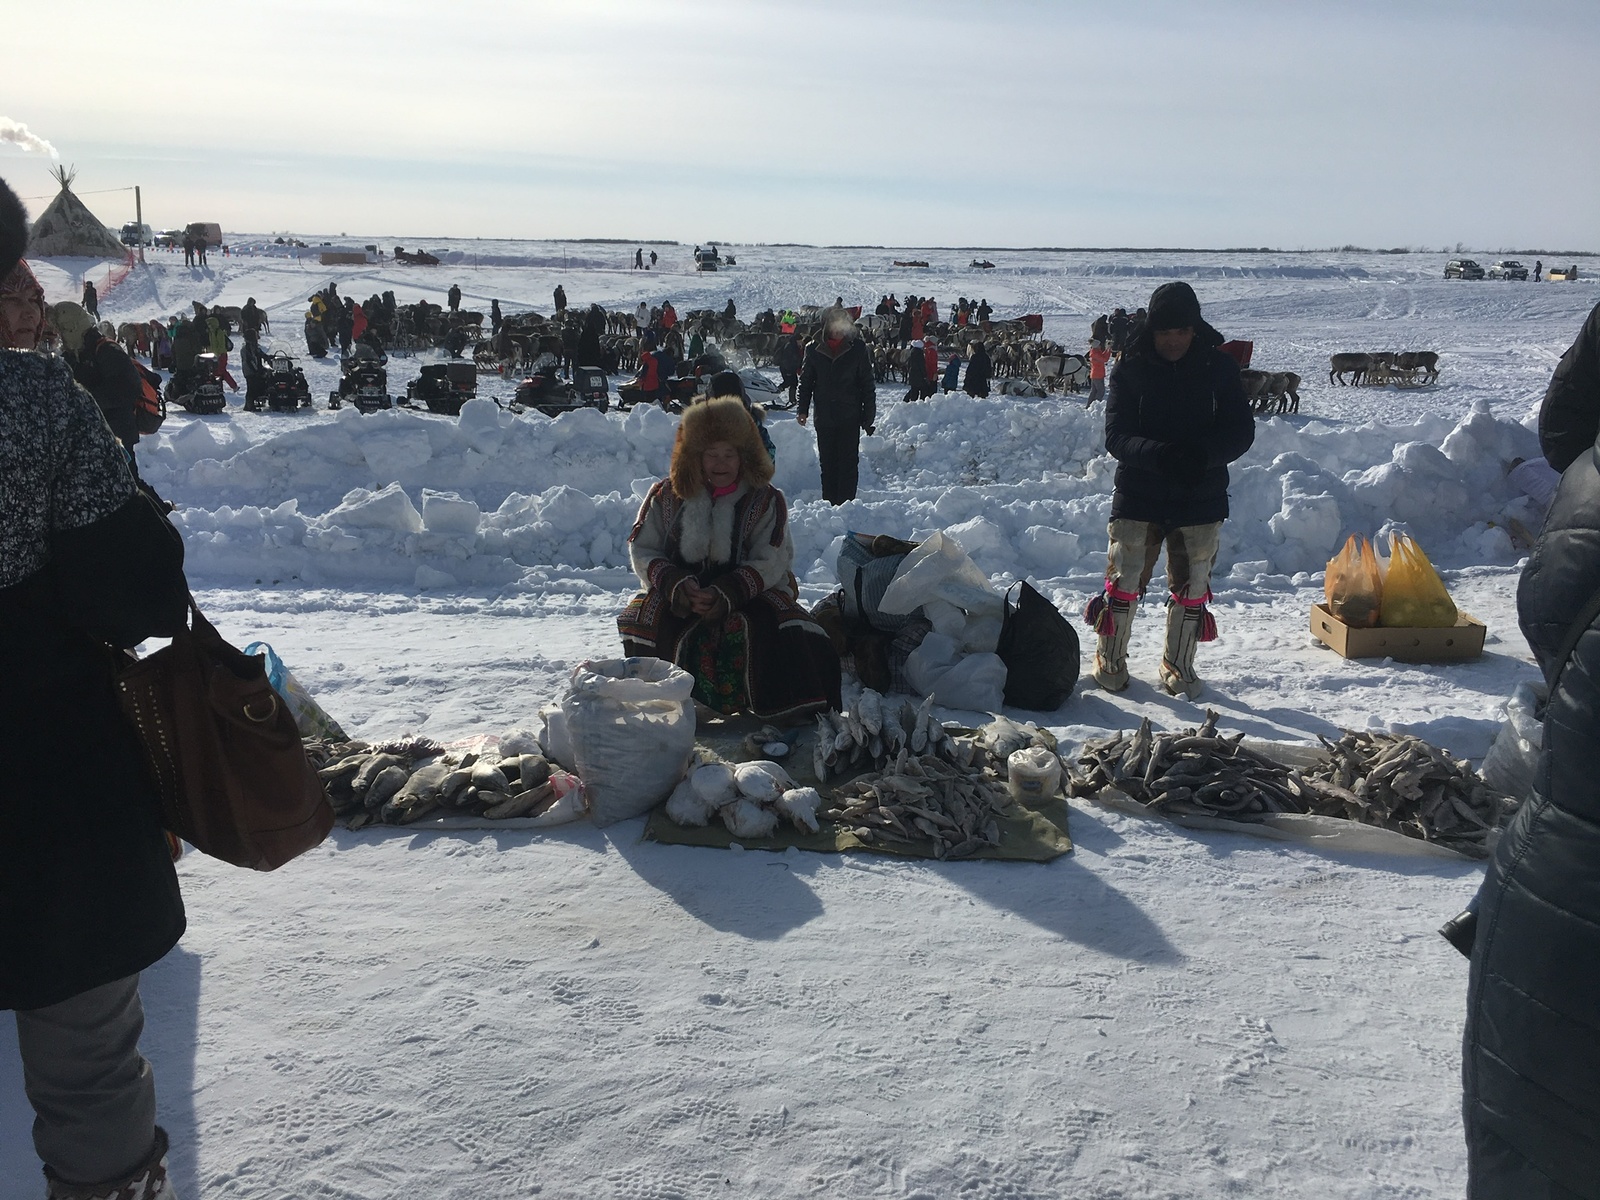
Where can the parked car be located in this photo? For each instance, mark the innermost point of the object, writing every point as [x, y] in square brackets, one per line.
[1462, 268]
[1508, 268]
[169, 237]
[209, 230]
[135, 234]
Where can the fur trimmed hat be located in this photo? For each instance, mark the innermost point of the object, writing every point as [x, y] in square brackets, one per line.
[706, 422]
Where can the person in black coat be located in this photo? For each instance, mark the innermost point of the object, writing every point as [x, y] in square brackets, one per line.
[980, 370]
[788, 358]
[88, 892]
[91, 300]
[594, 325]
[916, 372]
[105, 369]
[1176, 416]
[560, 297]
[837, 378]
[1530, 1059]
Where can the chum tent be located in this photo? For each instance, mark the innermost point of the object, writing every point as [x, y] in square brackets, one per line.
[68, 229]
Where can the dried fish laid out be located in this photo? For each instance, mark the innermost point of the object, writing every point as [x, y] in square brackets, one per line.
[1400, 782]
[923, 799]
[399, 783]
[1390, 781]
[874, 731]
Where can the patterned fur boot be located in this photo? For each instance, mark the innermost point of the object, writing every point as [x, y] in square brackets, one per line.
[1111, 647]
[148, 1181]
[1185, 626]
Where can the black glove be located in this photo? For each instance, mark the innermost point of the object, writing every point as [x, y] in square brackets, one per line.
[1186, 465]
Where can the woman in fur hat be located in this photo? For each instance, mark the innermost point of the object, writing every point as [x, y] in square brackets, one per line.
[713, 550]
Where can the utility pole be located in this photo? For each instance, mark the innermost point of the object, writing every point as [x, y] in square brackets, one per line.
[138, 219]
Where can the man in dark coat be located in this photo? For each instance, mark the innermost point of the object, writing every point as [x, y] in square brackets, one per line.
[594, 324]
[106, 370]
[1531, 1058]
[837, 377]
[453, 297]
[788, 358]
[1176, 416]
[88, 893]
[560, 297]
[916, 372]
[980, 369]
[91, 300]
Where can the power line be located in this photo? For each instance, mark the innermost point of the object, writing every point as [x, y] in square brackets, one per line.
[76, 192]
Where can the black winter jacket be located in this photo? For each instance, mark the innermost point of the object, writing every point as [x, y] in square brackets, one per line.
[979, 371]
[1531, 1052]
[1569, 421]
[87, 889]
[1196, 404]
[842, 386]
[114, 382]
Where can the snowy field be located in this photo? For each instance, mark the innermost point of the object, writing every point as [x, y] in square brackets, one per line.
[1161, 1014]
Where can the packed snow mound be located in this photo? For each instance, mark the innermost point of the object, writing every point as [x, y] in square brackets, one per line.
[1021, 484]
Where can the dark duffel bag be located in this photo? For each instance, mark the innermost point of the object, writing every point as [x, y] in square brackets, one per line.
[1040, 649]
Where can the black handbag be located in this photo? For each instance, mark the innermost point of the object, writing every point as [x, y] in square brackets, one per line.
[1040, 649]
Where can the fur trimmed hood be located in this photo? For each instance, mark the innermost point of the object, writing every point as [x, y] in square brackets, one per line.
[723, 419]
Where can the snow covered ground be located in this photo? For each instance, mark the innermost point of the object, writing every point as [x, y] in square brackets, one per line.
[1163, 1013]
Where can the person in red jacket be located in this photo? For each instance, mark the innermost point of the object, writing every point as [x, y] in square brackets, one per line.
[919, 318]
[1099, 356]
[930, 366]
[649, 378]
[669, 316]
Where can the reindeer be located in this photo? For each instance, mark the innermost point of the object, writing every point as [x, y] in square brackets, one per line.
[1427, 360]
[1356, 365]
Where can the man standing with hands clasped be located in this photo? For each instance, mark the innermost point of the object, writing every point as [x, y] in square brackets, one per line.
[838, 376]
[1176, 416]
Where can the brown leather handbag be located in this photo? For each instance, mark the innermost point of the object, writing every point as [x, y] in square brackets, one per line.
[233, 774]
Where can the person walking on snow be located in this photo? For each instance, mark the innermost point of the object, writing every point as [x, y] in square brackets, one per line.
[1176, 416]
[837, 376]
[453, 298]
[91, 300]
[1099, 356]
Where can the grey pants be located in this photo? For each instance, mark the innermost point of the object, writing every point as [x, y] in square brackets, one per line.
[93, 1094]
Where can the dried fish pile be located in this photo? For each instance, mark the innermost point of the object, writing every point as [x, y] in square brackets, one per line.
[1391, 781]
[875, 731]
[922, 799]
[1191, 770]
[1400, 782]
[397, 783]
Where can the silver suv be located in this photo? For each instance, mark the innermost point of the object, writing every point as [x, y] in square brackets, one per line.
[1508, 268]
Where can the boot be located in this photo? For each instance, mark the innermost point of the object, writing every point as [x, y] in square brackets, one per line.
[148, 1181]
[1184, 627]
[1111, 649]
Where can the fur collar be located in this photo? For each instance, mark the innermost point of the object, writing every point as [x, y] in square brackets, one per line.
[706, 527]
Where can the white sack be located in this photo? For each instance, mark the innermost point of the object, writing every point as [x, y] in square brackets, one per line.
[632, 728]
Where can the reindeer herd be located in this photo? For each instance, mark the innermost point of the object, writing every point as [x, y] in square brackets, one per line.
[1407, 368]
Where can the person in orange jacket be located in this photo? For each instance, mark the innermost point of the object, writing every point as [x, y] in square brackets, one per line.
[1099, 356]
[930, 363]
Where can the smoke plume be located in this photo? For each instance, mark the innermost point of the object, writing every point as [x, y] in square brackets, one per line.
[19, 134]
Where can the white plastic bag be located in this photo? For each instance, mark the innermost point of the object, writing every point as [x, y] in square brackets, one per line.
[941, 579]
[1513, 760]
[631, 725]
[940, 669]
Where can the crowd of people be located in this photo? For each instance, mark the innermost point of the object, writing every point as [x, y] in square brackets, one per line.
[91, 562]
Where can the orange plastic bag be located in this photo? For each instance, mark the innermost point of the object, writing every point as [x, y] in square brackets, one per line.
[1414, 596]
[1352, 586]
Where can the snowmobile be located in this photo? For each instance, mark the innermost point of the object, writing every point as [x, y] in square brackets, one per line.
[286, 388]
[197, 389]
[363, 381]
[444, 387]
[552, 396]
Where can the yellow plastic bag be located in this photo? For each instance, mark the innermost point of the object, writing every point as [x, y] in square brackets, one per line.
[1414, 596]
[1352, 586]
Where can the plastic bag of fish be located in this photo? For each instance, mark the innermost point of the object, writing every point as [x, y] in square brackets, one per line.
[748, 798]
[404, 781]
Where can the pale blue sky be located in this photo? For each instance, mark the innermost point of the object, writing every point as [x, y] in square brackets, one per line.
[1000, 122]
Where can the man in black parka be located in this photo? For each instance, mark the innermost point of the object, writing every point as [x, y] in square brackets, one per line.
[1176, 416]
[837, 376]
[1531, 1053]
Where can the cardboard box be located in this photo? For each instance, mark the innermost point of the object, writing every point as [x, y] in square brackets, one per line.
[1456, 644]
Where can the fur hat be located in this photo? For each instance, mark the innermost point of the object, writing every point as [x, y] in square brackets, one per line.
[720, 419]
[13, 229]
[72, 321]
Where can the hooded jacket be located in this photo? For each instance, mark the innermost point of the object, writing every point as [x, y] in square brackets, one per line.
[1158, 412]
[1531, 1054]
[841, 384]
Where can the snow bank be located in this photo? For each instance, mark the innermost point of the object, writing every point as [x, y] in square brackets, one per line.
[1022, 484]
